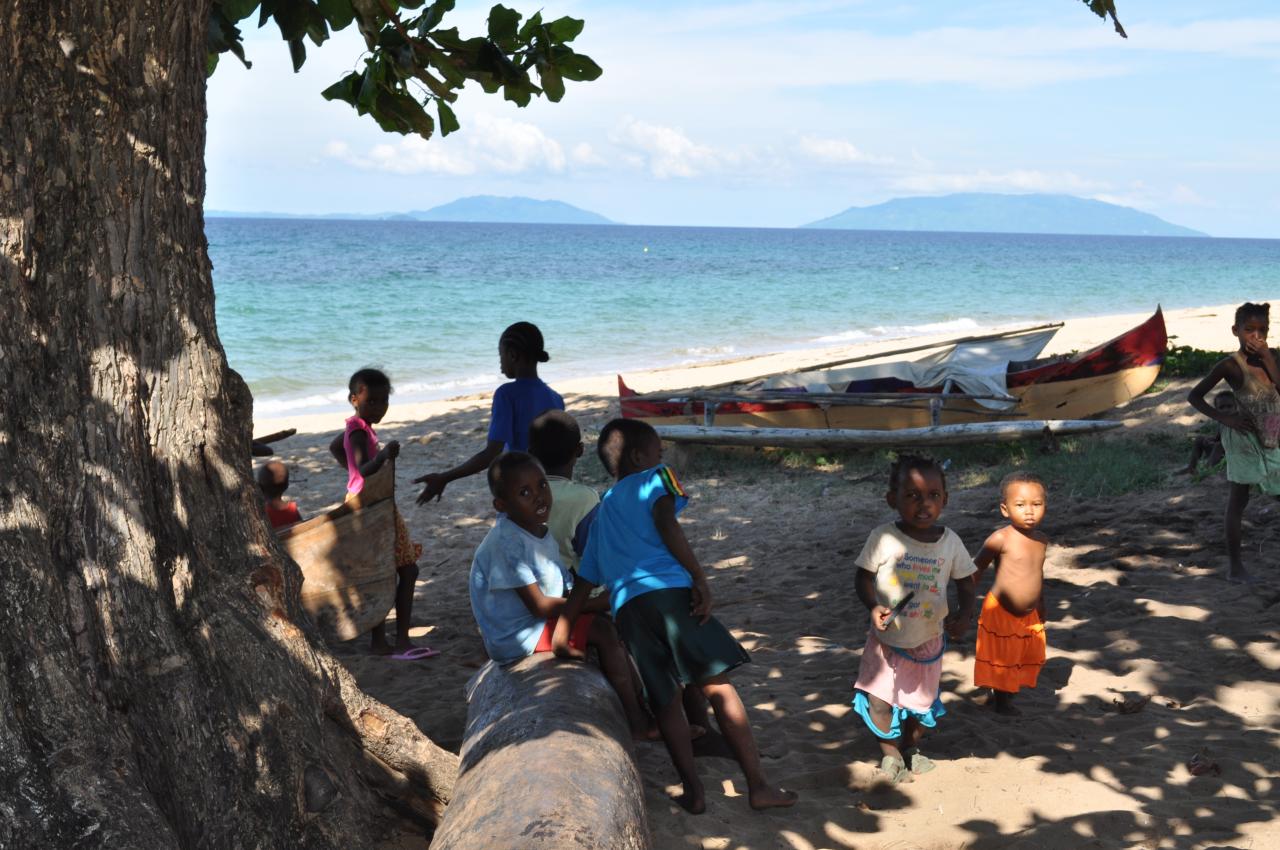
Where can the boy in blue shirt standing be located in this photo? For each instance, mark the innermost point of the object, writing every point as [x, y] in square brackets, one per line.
[662, 608]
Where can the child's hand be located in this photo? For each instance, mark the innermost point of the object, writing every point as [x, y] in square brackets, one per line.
[701, 607]
[955, 625]
[1235, 422]
[391, 449]
[435, 486]
[567, 651]
[880, 617]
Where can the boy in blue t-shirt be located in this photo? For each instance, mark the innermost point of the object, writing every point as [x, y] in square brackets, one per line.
[517, 584]
[662, 608]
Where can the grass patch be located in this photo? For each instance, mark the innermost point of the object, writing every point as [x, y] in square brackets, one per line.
[1183, 361]
[1081, 467]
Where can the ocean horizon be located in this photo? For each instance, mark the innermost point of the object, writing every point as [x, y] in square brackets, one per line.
[302, 303]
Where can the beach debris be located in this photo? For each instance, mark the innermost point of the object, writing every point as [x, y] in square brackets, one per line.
[1201, 764]
[1125, 704]
[425, 439]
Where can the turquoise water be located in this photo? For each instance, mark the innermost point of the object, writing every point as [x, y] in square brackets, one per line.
[302, 304]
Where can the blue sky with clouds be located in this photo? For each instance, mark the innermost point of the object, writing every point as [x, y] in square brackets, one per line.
[779, 113]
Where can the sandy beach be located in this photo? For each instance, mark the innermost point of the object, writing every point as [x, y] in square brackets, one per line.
[1153, 657]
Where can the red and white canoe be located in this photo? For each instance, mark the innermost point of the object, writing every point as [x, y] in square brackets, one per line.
[880, 396]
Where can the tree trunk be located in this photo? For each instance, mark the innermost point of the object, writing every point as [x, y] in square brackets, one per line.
[159, 685]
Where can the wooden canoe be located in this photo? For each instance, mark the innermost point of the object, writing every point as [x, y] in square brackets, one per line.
[347, 556]
[844, 438]
[1051, 388]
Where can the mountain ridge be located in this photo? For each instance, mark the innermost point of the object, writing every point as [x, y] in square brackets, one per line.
[988, 212]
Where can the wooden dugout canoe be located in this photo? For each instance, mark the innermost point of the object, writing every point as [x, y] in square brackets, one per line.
[845, 438]
[1050, 388]
[347, 556]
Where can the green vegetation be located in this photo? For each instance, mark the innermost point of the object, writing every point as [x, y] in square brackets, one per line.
[1078, 467]
[1183, 361]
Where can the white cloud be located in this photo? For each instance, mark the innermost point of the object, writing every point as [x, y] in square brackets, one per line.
[837, 152]
[486, 144]
[665, 151]
[585, 155]
[1022, 180]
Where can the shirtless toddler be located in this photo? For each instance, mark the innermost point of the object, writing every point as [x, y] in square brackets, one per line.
[1011, 644]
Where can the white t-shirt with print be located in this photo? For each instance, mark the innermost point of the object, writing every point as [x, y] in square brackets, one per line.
[902, 564]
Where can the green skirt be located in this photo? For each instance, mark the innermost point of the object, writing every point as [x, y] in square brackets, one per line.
[671, 648]
[1249, 463]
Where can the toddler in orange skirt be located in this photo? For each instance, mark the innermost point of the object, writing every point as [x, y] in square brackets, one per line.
[1011, 644]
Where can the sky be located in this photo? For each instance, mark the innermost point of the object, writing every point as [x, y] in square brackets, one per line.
[779, 113]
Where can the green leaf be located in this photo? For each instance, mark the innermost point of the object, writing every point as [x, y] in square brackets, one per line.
[504, 23]
[210, 63]
[237, 10]
[339, 13]
[434, 14]
[298, 53]
[530, 27]
[347, 89]
[552, 82]
[448, 121]
[577, 67]
[565, 29]
[222, 36]
[400, 113]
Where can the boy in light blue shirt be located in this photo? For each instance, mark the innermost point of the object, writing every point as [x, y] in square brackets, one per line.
[662, 607]
[517, 584]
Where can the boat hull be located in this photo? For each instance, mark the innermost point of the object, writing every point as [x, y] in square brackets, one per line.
[1077, 387]
[347, 558]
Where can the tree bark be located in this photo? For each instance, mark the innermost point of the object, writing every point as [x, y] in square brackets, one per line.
[159, 684]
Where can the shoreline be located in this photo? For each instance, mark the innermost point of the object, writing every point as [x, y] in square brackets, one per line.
[1206, 327]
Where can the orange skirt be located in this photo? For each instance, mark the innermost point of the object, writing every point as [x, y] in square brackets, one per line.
[1010, 650]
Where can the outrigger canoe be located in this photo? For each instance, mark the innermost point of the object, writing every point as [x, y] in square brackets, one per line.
[347, 556]
[979, 379]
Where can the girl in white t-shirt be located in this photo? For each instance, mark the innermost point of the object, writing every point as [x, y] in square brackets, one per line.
[896, 693]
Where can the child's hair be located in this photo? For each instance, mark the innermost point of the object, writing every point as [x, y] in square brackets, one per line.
[374, 379]
[527, 339]
[1021, 476]
[273, 479]
[505, 464]
[914, 463]
[618, 437]
[554, 438]
[1249, 310]
[1224, 397]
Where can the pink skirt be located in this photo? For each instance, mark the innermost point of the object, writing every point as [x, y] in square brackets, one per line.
[890, 675]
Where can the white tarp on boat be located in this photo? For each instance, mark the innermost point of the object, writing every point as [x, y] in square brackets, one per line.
[977, 367]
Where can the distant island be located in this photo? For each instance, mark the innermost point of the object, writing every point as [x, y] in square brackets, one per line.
[477, 208]
[976, 212]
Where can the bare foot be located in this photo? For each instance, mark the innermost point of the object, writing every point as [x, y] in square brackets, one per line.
[772, 798]
[648, 733]
[1241, 576]
[381, 647]
[696, 731]
[1003, 704]
[694, 804]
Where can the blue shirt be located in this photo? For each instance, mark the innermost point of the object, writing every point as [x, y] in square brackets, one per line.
[509, 558]
[515, 405]
[624, 551]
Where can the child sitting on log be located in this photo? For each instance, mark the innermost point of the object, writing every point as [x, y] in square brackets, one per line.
[556, 441]
[517, 584]
[273, 481]
[662, 605]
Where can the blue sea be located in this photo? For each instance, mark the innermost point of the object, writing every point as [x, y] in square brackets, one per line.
[301, 304]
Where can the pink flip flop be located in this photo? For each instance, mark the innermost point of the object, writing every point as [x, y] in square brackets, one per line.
[416, 653]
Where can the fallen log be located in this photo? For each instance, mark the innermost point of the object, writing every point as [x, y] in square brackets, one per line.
[546, 763]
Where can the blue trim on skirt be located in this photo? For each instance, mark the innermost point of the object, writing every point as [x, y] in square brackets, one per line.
[928, 719]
